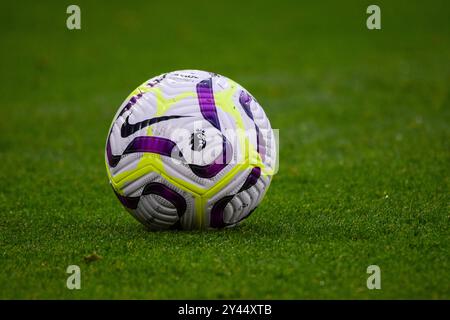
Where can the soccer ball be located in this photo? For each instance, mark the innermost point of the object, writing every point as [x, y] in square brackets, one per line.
[190, 150]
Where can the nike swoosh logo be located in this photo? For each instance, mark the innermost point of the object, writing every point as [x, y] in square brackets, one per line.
[128, 129]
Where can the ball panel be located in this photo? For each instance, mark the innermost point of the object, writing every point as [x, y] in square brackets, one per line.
[235, 201]
[246, 201]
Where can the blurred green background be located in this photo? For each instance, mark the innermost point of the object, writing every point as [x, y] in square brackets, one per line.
[364, 149]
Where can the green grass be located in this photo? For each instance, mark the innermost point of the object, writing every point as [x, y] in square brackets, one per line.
[364, 119]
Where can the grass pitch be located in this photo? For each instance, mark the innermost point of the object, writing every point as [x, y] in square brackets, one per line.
[364, 161]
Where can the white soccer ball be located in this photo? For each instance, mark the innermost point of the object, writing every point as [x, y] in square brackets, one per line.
[191, 150]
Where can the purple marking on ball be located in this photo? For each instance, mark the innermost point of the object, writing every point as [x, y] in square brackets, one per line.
[211, 170]
[113, 159]
[208, 171]
[217, 212]
[252, 178]
[151, 144]
[127, 202]
[158, 189]
[176, 199]
[245, 100]
[148, 144]
[207, 104]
